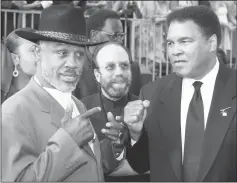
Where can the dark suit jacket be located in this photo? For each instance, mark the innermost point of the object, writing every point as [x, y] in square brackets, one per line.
[88, 86]
[99, 120]
[159, 148]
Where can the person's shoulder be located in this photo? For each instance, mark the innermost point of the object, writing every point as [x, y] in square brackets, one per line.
[89, 100]
[135, 67]
[158, 84]
[226, 71]
[228, 78]
[232, 78]
[18, 104]
[14, 111]
[232, 72]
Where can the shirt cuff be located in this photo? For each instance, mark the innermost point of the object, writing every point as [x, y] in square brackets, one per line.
[120, 156]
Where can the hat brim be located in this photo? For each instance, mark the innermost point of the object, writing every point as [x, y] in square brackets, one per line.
[35, 37]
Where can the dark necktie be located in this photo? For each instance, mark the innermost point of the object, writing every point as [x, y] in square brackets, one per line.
[194, 135]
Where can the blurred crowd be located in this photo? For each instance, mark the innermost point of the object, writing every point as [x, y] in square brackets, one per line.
[153, 13]
[143, 32]
[156, 10]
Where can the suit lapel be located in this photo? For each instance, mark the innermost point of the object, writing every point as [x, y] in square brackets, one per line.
[48, 104]
[56, 112]
[217, 125]
[97, 103]
[86, 147]
[170, 99]
[98, 158]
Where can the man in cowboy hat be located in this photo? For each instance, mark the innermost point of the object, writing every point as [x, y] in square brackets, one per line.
[46, 132]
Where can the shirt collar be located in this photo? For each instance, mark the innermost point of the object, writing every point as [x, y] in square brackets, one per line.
[63, 98]
[208, 78]
[114, 104]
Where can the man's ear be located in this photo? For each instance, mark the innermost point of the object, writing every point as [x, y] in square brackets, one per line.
[37, 52]
[213, 43]
[15, 59]
[97, 75]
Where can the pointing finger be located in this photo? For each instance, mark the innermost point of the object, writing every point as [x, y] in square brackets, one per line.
[90, 112]
[110, 117]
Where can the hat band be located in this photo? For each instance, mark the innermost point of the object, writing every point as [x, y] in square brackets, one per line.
[65, 36]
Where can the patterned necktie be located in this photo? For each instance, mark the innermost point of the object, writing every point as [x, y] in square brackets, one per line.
[194, 135]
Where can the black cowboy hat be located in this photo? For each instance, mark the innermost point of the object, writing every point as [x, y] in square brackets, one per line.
[60, 23]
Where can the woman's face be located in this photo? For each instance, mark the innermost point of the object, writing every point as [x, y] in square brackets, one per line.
[27, 60]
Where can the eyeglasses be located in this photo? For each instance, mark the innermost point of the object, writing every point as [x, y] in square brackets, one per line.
[117, 36]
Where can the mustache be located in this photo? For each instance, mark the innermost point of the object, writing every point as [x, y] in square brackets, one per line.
[120, 79]
[70, 71]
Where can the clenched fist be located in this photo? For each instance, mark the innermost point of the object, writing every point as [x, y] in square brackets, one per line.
[79, 128]
[134, 116]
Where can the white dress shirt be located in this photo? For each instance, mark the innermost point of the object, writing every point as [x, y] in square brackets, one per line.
[64, 99]
[207, 89]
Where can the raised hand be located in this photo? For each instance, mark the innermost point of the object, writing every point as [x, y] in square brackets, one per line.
[135, 113]
[115, 130]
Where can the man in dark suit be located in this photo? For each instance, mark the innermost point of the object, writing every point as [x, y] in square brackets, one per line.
[183, 128]
[104, 25]
[113, 75]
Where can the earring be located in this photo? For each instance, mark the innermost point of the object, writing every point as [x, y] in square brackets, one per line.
[15, 72]
[37, 60]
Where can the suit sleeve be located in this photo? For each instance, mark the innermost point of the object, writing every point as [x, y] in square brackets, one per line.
[108, 158]
[110, 163]
[22, 162]
[138, 154]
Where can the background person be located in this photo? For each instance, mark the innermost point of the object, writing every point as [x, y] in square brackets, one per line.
[23, 63]
[113, 75]
[104, 25]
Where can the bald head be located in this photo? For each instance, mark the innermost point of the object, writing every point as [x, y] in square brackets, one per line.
[111, 53]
